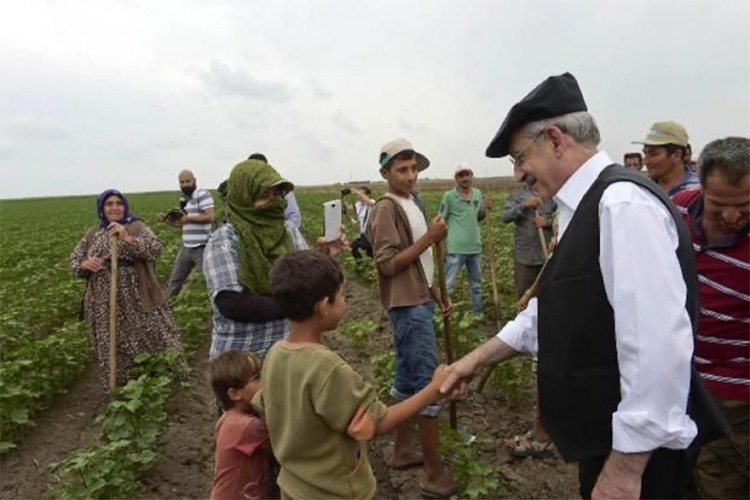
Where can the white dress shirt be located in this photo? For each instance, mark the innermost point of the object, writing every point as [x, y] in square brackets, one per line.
[643, 282]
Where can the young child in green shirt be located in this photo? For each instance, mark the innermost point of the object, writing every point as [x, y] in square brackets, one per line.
[320, 413]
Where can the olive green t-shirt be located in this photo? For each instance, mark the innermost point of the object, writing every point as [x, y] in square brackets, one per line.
[309, 397]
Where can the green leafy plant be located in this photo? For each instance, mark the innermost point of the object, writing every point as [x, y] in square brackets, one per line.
[359, 333]
[131, 425]
[475, 477]
[384, 371]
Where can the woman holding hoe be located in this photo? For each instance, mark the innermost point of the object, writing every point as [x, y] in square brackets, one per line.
[143, 321]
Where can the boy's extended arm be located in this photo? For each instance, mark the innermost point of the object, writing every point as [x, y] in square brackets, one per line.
[401, 412]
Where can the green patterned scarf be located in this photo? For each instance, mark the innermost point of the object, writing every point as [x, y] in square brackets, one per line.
[263, 237]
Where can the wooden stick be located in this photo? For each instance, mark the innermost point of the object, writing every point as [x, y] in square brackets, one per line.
[529, 294]
[542, 239]
[113, 314]
[440, 264]
[493, 274]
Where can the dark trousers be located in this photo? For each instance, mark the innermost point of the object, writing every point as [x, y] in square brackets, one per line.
[524, 276]
[361, 243]
[665, 475]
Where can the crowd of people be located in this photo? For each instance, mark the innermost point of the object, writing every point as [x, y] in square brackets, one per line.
[633, 288]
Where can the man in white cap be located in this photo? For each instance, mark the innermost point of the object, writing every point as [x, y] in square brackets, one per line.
[665, 150]
[463, 209]
[402, 244]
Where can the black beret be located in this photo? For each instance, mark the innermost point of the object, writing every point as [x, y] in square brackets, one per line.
[555, 96]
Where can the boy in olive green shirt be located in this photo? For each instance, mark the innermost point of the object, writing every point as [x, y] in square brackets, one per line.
[319, 412]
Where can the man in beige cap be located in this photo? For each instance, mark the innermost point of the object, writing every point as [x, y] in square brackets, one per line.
[402, 243]
[664, 151]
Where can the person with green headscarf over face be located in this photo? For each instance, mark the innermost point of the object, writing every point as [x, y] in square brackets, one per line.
[239, 256]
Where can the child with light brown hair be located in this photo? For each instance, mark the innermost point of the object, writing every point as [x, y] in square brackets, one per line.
[243, 453]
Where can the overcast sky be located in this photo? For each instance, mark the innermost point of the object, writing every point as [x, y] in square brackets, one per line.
[105, 93]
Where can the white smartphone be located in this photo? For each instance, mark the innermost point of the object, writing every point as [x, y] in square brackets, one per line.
[332, 220]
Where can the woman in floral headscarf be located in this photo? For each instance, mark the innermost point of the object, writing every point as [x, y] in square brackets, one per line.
[239, 256]
[144, 323]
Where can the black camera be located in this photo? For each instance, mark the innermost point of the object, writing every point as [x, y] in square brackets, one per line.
[176, 213]
[346, 191]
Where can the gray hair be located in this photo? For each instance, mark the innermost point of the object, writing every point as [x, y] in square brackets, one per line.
[729, 156]
[580, 125]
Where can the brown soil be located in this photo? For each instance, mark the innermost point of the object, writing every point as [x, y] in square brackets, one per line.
[184, 468]
[68, 425]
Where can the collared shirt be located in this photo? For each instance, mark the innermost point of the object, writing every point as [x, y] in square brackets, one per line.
[643, 282]
[462, 217]
[723, 341]
[527, 248]
[689, 180]
[197, 234]
[221, 267]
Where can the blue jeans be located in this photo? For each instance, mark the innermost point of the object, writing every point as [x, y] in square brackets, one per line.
[416, 351]
[473, 262]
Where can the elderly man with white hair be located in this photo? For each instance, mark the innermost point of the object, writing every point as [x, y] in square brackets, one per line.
[614, 317]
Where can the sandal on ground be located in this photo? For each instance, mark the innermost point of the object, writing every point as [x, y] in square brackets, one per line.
[433, 495]
[526, 446]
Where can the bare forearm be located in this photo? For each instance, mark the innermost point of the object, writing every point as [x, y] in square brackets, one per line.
[621, 476]
[401, 412]
[494, 351]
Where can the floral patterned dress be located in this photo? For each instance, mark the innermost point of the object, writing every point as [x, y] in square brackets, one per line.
[138, 331]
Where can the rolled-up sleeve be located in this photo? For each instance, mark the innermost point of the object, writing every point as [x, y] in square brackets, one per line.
[643, 281]
[521, 333]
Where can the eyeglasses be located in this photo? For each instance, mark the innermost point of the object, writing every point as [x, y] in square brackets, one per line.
[518, 159]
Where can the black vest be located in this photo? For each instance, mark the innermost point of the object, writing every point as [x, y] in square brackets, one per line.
[578, 375]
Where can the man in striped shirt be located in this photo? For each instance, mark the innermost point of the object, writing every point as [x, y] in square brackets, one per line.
[718, 216]
[196, 224]
[664, 152]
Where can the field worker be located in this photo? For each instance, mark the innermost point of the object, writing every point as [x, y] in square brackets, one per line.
[529, 213]
[196, 224]
[239, 256]
[718, 217]
[612, 319]
[665, 151]
[362, 208]
[144, 323]
[402, 243]
[633, 161]
[463, 209]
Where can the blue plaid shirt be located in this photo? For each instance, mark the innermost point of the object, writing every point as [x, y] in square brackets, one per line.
[221, 266]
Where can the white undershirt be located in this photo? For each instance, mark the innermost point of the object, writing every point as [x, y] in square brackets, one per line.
[418, 229]
[643, 282]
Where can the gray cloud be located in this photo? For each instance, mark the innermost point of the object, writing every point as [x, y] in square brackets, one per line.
[42, 128]
[223, 78]
[342, 122]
